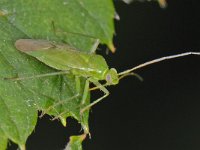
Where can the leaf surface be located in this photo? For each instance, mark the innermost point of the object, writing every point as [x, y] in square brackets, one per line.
[3, 141]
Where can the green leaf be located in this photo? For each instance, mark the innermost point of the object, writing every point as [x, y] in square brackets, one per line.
[3, 143]
[17, 116]
[89, 17]
[75, 142]
[3, 140]
[55, 21]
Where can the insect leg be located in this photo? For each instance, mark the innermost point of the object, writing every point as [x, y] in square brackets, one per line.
[57, 31]
[38, 76]
[102, 88]
[94, 47]
[83, 99]
[77, 85]
[85, 92]
[120, 77]
[57, 104]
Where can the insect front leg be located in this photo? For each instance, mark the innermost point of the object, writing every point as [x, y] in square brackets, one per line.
[102, 88]
[59, 32]
[94, 47]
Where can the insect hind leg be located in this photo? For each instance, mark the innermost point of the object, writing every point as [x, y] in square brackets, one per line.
[83, 99]
[62, 102]
[53, 107]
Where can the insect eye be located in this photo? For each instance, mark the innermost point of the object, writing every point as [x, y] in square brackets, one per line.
[108, 78]
[112, 77]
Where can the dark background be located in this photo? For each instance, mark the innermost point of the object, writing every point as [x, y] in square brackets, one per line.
[161, 113]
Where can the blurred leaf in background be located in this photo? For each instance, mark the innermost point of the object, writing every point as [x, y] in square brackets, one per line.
[162, 3]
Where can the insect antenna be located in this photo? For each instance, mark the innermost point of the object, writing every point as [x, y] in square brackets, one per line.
[131, 74]
[156, 61]
[120, 77]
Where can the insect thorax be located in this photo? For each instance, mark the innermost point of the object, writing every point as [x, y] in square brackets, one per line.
[93, 66]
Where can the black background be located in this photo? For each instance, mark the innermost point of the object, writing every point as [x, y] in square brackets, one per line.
[160, 113]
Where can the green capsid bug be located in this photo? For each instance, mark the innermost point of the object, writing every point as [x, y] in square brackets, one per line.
[65, 58]
[89, 65]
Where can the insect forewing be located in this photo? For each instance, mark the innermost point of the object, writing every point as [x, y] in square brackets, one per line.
[31, 44]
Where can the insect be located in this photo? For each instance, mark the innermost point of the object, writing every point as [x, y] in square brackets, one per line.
[69, 60]
[91, 66]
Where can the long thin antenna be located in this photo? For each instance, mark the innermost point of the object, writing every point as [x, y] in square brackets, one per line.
[158, 60]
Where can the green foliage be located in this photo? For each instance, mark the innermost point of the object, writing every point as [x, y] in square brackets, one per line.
[75, 142]
[3, 140]
[55, 21]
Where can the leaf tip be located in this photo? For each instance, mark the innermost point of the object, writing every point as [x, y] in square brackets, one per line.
[63, 121]
[79, 137]
[111, 47]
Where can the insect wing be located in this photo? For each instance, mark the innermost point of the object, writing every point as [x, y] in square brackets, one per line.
[31, 44]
